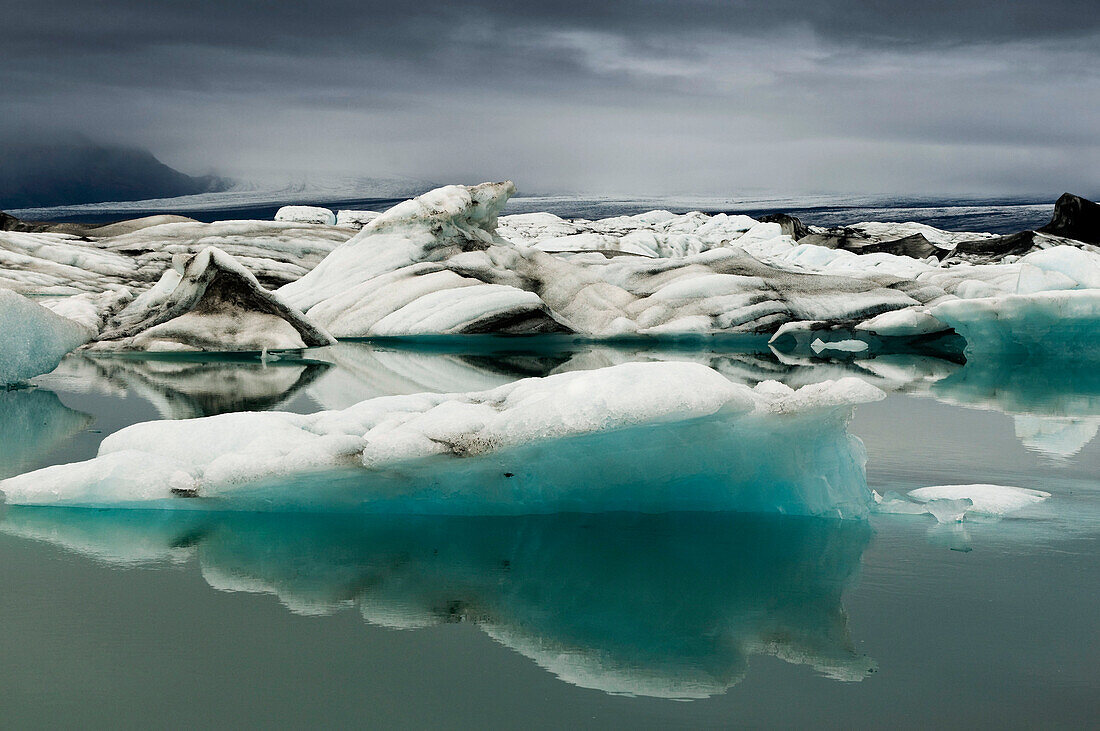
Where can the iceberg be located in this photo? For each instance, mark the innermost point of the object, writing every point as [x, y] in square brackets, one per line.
[33, 339]
[650, 437]
[438, 264]
[209, 303]
[956, 503]
[306, 214]
[992, 500]
[667, 606]
[448, 262]
[1051, 324]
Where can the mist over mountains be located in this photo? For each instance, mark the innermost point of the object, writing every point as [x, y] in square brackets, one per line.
[78, 170]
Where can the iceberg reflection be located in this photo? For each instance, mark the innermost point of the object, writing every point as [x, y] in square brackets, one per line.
[1055, 402]
[33, 422]
[657, 605]
[188, 386]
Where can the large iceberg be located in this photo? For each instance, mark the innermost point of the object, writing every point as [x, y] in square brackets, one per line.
[448, 262]
[437, 264]
[33, 339]
[669, 606]
[648, 437]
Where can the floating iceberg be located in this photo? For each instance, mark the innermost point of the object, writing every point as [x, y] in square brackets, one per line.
[211, 303]
[306, 214]
[649, 437]
[33, 339]
[1062, 323]
[670, 606]
[447, 262]
[956, 503]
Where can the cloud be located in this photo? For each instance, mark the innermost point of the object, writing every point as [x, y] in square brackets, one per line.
[627, 97]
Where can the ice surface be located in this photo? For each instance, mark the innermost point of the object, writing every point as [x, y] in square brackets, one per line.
[306, 214]
[672, 606]
[995, 500]
[210, 303]
[355, 219]
[32, 338]
[638, 436]
[1053, 323]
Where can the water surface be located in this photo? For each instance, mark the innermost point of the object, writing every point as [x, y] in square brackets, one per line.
[114, 617]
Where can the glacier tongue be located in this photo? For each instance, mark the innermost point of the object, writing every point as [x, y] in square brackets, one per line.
[652, 437]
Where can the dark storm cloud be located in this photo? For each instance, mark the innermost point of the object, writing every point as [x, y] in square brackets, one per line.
[686, 96]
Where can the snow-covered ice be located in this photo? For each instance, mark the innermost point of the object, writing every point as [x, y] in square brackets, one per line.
[306, 214]
[639, 436]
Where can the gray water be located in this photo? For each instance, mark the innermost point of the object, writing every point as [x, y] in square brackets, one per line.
[115, 618]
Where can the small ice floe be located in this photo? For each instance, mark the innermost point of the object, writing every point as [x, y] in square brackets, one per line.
[953, 503]
[306, 214]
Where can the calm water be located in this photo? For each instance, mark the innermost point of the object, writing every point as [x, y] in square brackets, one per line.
[112, 618]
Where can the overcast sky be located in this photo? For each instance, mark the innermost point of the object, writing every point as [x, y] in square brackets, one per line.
[1000, 97]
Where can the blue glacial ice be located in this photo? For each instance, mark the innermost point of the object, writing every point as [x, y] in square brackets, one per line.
[648, 437]
[33, 339]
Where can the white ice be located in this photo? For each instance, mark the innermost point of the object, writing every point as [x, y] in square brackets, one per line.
[641, 436]
[306, 214]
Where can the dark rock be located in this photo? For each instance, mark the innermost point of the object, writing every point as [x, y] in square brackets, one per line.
[9, 222]
[791, 226]
[997, 248]
[1075, 218]
[838, 238]
[915, 246]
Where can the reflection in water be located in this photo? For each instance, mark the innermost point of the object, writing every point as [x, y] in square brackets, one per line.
[182, 387]
[669, 606]
[1054, 402]
[33, 422]
[1056, 405]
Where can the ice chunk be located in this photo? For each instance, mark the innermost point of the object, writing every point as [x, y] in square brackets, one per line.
[1045, 323]
[355, 219]
[32, 338]
[306, 214]
[994, 500]
[638, 436]
[844, 346]
[214, 303]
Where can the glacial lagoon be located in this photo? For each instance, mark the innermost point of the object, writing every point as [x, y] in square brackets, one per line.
[682, 617]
